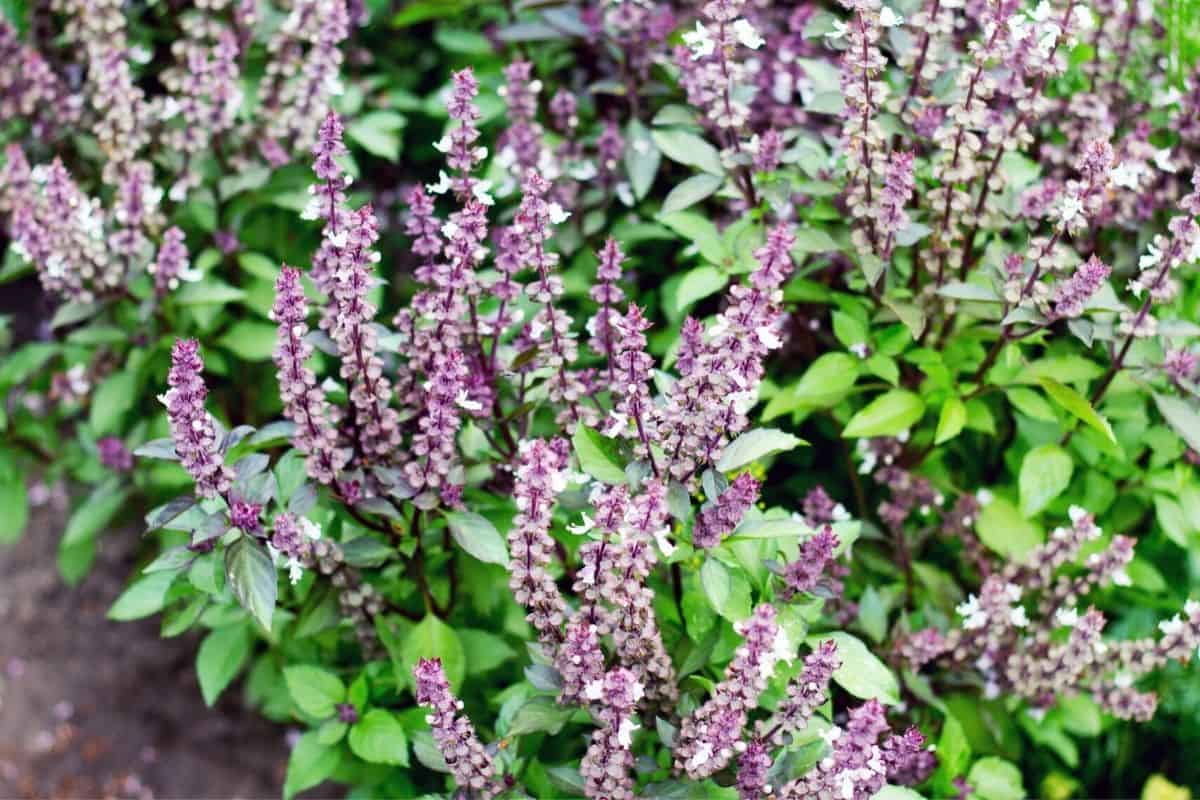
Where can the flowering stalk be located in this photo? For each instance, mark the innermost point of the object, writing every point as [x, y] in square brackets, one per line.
[453, 733]
[192, 427]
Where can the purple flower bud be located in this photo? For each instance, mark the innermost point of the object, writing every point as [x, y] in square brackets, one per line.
[172, 262]
[453, 733]
[114, 454]
[192, 428]
[718, 519]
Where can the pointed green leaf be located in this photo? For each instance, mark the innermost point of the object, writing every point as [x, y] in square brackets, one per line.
[886, 415]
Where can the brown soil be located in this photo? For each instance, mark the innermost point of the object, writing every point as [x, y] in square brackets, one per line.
[91, 708]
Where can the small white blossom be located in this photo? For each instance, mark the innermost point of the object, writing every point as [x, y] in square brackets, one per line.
[839, 30]
[747, 35]
[700, 42]
[889, 18]
[1162, 160]
[463, 400]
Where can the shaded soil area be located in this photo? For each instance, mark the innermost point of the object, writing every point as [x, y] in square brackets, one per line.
[96, 709]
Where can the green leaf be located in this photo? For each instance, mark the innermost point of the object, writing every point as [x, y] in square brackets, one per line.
[1173, 520]
[954, 755]
[861, 674]
[432, 638]
[826, 381]
[642, 158]
[695, 285]
[93, 514]
[14, 499]
[911, 315]
[1182, 418]
[1077, 405]
[996, 779]
[537, 715]
[111, 401]
[970, 291]
[379, 738]
[890, 792]
[144, 597]
[315, 691]
[478, 536]
[378, 132]
[687, 148]
[220, 658]
[20, 365]
[755, 444]
[813, 240]
[886, 415]
[1002, 528]
[484, 651]
[1045, 474]
[690, 192]
[1031, 404]
[310, 763]
[716, 583]
[208, 292]
[250, 340]
[598, 455]
[951, 420]
[252, 578]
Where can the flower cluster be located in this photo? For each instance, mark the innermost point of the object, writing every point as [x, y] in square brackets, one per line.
[192, 428]
[455, 736]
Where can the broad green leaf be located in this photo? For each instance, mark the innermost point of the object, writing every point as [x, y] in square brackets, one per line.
[310, 763]
[695, 285]
[688, 148]
[911, 315]
[755, 444]
[827, 380]
[996, 779]
[94, 513]
[891, 792]
[478, 536]
[642, 158]
[1182, 418]
[886, 415]
[1173, 520]
[1030, 403]
[954, 755]
[691, 191]
[484, 650]
[432, 638]
[378, 132]
[970, 291]
[598, 455]
[1002, 528]
[813, 240]
[861, 674]
[717, 584]
[315, 691]
[145, 596]
[14, 499]
[539, 714]
[1077, 405]
[253, 579]
[379, 738]
[250, 340]
[111, 401]
[20, 365]
[1045, 474]
[208, 292]
[700, 231]
[951, 420]
[220, 658]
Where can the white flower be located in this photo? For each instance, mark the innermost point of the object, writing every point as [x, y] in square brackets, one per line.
[985, 497]
[1191, 608]
[310, 529]
[463, 400]
[1066, 617]
[839, 30]
[860, 349]
[1042, 12]
[839, 513]
[768, 337]
[1018, 617]
[557, 214]
[482, 192]
[442, 145]
[625, 732]
[1121, 578]
[443, 184]
[747, 35]
[699, 42]
[663, 542]
[703, 753]
[1070, 208]
[1038, 714]
[889, 18]
[585, 525]
[831, 734]
[1123, 680]
[1077, 514]
[973, 616]
[594, 690]
[1048, 40]
[1152, 257]
[1128, 174]
[1168, 98]
[295, 570]
[1162, 160]
[1171, 626]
